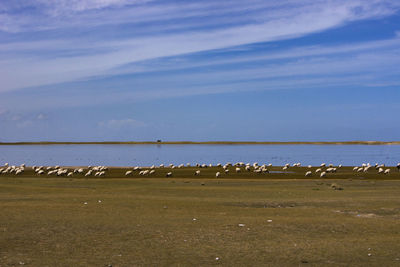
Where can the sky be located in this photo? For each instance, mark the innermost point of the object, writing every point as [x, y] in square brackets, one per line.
[119, 70]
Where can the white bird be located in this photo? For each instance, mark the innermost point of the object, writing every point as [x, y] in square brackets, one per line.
[217, 174]
[237, 169]
[169, 174]
[323, 174]
[387, 171]
[309, 173]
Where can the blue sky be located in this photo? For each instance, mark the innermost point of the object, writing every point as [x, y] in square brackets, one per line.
[82, 70]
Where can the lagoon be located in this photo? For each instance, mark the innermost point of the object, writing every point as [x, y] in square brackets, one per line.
[146, 155]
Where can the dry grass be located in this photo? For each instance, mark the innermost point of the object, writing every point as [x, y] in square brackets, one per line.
[149, 222]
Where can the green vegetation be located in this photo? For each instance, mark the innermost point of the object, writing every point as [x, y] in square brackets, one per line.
[243, 219]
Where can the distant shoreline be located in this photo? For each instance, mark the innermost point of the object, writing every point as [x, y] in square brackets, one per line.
[205, 143]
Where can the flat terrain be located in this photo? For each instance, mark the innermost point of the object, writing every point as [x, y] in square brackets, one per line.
[243, 219]
[208, 143]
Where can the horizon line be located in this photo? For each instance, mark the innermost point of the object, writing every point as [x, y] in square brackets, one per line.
[159, 142]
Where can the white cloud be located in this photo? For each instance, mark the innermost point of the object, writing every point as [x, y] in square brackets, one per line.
[3, 112]
[361, 64]
[37, 67]
[121, 123]
[286, 54]
[25, 124]
[41, 116]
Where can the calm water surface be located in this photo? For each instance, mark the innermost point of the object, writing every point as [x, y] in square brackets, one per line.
[146, 155]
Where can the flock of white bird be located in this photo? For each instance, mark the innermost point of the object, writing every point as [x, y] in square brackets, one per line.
[255, 167]
[225, 168]
[365, 167]
[99, 171]
[56, 170]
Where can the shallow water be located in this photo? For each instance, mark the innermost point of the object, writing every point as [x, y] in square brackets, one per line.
[146, 155]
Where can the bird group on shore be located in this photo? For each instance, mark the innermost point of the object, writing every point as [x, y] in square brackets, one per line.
[100, 171]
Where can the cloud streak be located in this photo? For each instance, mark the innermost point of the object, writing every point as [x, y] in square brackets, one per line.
[364, 64]
[58, 59]
[117, 124]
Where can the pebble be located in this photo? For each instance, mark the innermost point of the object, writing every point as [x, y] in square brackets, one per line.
[269, 221]
[369, 254]
[85, 203]
[194, 219]
[217, 259]
[241, 224]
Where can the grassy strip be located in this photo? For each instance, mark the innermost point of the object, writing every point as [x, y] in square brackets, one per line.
[205, 143]
[275, 172]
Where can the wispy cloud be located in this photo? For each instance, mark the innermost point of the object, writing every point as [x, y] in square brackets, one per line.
[117, 124]
[361, 64]
[56, 59]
